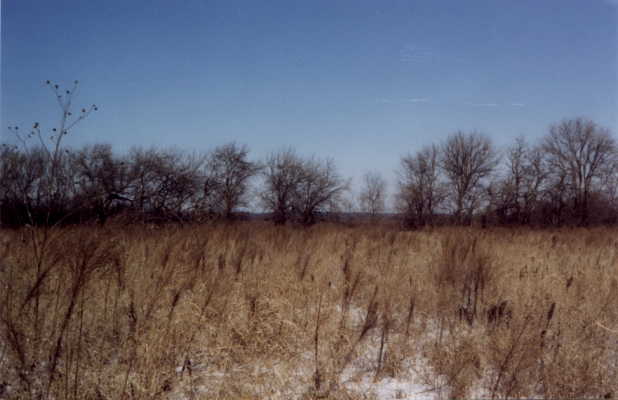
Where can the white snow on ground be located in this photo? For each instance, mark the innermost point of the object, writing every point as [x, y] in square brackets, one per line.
[292, 379]
[359, 377]
[391, 388]
[299, 380]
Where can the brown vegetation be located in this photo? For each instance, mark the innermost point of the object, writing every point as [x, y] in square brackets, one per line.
[252, 310]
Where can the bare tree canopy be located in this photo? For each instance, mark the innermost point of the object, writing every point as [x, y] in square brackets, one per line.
[518, 195]
[282, 174]
[22, 184]
[372, 196]
[320, 189]
[421, 190]
[164, 183]
[102, 178]
[298, 188]
[228, 173]
[54, 184]
[467, 159]
[577, 151]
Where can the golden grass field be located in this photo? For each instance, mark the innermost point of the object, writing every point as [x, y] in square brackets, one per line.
[255, 311]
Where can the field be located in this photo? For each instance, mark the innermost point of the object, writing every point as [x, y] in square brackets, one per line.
[255, 311]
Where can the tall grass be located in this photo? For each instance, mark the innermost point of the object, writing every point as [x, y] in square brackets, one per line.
[255, 311]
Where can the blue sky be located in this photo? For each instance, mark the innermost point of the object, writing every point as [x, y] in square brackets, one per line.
[363, 82]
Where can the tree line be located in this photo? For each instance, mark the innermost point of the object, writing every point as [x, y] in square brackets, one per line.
[94, 183]
[569, 177]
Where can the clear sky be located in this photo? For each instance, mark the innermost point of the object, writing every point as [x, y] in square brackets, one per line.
[361, 81]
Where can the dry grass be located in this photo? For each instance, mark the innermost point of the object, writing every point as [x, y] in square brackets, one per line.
[251, 311]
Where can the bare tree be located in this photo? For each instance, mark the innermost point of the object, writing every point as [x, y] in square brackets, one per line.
[282, 175]
[297, 188]
[608, 191]
[517, 195]
[421, 190]
[21, 191]
[228, 173]
[467, 160]
[54, 181]
[535, 173]
[372, 196]
[102, 180]
[577, 151]
[164, 183]
[319, 191]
